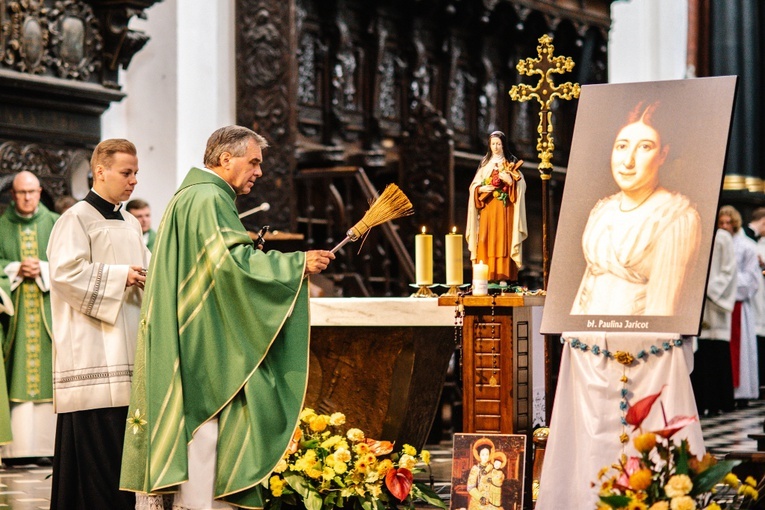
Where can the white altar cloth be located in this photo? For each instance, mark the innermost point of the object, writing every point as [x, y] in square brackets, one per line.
[586, 417]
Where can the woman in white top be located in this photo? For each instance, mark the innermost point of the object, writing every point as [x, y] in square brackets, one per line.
[639, 242]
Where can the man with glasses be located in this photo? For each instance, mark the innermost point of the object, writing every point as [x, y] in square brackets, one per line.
[24, 231]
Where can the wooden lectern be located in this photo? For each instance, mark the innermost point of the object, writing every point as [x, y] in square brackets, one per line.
[496, 362]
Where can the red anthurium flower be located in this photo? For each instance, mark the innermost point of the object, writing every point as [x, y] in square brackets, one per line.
[674, 425]
[640, 409]
[399, 482]
[379, 447]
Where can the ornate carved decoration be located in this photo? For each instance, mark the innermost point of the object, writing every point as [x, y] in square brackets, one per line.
[76, 42]
[266, 93]
[311, 56]
[71, 39]
[53, 165]
[26, 33]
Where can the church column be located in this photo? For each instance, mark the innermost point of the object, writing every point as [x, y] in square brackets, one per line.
[734, 40]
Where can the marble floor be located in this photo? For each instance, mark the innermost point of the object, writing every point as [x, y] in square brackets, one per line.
[28, 487]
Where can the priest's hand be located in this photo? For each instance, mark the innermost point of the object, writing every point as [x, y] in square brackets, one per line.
[30, 268]
[317, 261]
[136, 276]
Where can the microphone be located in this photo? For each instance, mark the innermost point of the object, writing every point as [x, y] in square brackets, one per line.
[265, 206]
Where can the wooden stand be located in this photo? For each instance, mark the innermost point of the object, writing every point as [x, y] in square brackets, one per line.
[496, 362]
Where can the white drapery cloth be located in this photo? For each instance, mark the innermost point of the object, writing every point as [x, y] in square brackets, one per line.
[586, 418]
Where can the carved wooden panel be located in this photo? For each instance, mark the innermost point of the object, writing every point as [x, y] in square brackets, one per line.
[266, 98]
[58, 72]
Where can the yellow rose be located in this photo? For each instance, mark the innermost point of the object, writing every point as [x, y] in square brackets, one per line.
[644, 443]
[281, 466]
[342, 455]
[336, 419]
[307, 414]
[407, 462]
[660, 505]
[425, 455]
[678, 485]
[319, 423]
[355, 435]
[640, 480]
[409, 450]
[682, 503]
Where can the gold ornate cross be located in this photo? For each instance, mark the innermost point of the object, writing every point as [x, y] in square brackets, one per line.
[545, 91]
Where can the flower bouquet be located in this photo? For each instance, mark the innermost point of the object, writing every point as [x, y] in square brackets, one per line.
[502, 188]
[326, 468]
[667, 476]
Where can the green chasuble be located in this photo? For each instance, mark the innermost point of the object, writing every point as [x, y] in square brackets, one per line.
[224, 332]
[5, 410]
[27, 348]
[151, 239]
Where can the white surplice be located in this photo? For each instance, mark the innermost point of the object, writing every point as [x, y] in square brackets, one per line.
[95, 318]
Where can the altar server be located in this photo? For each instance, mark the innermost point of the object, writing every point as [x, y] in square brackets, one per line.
[97, 260]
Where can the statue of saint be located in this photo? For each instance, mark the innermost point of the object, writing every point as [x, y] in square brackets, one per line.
[496, 221]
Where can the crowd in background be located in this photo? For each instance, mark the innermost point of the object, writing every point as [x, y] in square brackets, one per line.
[729, 365]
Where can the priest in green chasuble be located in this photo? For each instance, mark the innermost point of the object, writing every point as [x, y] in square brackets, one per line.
[25, 228]
[222, 354]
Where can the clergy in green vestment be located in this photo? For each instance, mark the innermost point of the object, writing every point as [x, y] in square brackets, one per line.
[222, 343]
[25, 228]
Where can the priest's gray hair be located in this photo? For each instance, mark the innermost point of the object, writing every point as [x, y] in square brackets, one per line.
[231, 139]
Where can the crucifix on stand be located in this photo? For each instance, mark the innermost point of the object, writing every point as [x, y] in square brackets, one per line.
[545, 91]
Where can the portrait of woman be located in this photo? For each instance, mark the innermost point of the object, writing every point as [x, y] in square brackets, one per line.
[640, 242]
[496, 221]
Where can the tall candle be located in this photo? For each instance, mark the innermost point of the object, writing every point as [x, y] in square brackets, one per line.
[423, 258]
[480, 279]
[453, 258]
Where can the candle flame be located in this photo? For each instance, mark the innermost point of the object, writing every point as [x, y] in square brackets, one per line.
[423, 229]
[454, 230]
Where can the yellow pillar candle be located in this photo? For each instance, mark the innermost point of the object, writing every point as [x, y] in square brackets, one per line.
[480, 279]
[453, 258]
[423, 258]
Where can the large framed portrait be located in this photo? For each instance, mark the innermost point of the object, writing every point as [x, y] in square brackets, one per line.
[639, 207]
[488, 471]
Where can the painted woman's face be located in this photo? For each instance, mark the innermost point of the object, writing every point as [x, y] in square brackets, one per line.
[495, 144]
[637, 156]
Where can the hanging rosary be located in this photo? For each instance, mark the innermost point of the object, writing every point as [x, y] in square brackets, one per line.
[626, 359]
[459, 318]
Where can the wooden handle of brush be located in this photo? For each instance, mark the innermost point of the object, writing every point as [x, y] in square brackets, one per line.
[342, 243]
